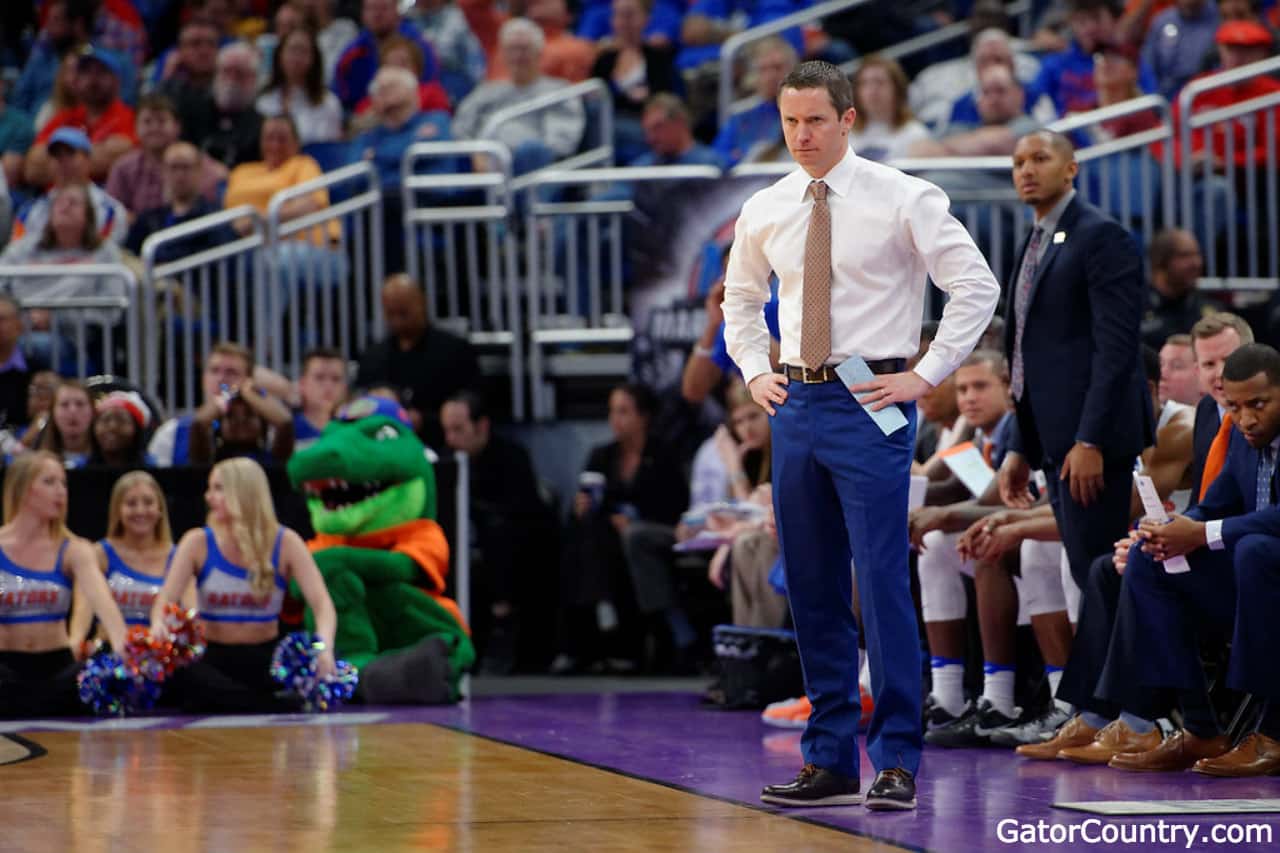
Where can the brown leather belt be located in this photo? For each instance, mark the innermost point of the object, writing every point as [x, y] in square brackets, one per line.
[827, 373]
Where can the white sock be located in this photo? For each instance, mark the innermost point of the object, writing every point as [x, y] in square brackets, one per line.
[1054, 674]
[864, 671]
[948, 684]
[997, 687]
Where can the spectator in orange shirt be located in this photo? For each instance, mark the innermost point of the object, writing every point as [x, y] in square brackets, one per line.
[564, 55]
[106, 119]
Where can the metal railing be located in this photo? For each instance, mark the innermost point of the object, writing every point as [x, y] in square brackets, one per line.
[600, 154]
[1107, 168]
[79, 314]
[324, 268]
[738, 42]
[203, 297]
[733, 46]
[477, 295]
[576, 280]
[462, 548]
[1240, 127]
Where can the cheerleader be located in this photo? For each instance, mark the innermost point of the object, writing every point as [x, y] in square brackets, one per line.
[242, 562]
[134, 556]
[42, 567]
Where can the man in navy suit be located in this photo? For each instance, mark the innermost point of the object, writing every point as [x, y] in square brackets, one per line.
[1072, 334]
[1231, 542]
[1100, 730]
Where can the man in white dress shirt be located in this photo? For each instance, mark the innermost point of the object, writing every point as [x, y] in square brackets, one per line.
[852, 243]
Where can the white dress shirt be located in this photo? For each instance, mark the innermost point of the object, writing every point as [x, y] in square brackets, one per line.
[1213, 529]
[889, 232]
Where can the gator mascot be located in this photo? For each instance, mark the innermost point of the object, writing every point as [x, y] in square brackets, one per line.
[371, 494]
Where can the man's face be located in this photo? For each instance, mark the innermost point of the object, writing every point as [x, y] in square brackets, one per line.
[816, 135]
[233, 87]
[10, 325]
[157, 129]
[198, 50]
[1179, 376]
[521, 55]
[380, 17]
[460, 432]
[95, 85]
[1092, 28]
[981, 395]
[1041, 173]
[223, 369]
[1236, 55]
[1211, 354]
[999, 97]
[1185, 264]
[323, 383]
[663, 133]
[1254, 405]
[992, 52]
[241, 424]
[182, 174]
[70, 165]
[771, 67]
[403, 312]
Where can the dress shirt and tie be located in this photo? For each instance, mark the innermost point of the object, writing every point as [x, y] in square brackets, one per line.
[852, 253]
[890, 232]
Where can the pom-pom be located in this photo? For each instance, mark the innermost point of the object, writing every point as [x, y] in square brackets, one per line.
[155, 658]
[112, 689]
[293, 667]
[186, 634]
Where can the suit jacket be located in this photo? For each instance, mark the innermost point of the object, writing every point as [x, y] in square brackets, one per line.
[1233, 497]
[1202, 435]
[1083, 378]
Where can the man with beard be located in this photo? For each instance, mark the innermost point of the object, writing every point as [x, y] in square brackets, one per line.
[233, 126]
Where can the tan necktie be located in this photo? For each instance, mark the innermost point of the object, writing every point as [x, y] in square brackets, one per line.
[815, 323]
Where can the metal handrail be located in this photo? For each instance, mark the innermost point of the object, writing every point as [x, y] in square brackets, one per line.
[593, 88]
[735, 43]
[1186, 103]
[123, 303]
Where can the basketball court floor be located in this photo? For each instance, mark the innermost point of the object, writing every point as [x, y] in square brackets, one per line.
[559, 773]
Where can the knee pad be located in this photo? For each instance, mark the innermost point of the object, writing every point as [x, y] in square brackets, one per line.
[941, 590]
[1041, 589]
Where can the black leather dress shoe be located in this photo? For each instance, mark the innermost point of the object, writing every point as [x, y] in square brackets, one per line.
[814, 786]
[893, 790]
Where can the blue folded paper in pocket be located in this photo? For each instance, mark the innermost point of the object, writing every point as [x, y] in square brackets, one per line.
[853, 371]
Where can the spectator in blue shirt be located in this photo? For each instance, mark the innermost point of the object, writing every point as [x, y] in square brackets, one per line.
[359, 62]
[17, 135]
[1178, 41]
[595, 22]
[744, 135]
[67, 26]
[1067, 77]
[668, 132]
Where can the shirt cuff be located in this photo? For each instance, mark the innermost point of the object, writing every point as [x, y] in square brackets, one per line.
[932, 369]
[753, 366]
[1213, 535]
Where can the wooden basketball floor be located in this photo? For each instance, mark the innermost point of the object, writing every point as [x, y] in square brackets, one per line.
[378, 788]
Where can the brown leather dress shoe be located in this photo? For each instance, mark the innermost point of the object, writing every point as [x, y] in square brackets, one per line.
[1115, 739]
[1074, 732]
[1256, 755]
[1177, 752]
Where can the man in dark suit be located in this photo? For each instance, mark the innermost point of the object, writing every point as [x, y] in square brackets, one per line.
[1100, 730]
[1231, 542]
[1072, 333]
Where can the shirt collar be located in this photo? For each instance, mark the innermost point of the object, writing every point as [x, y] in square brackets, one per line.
[839, 180]
[16, 361]
[1050, 222]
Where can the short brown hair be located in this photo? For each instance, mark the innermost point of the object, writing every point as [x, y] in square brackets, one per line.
[816, 74]
[233, 349]
[991, 358]
[1216, 324]
[1178, 340]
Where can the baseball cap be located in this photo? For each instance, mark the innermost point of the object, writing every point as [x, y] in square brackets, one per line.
[131, 402]
[73, 137]
[369, 406]
[1243, 34]
[96, 54]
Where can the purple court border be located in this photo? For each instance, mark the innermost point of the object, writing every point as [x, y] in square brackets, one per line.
[669, 739]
